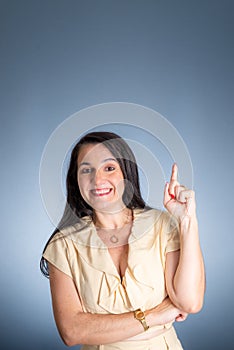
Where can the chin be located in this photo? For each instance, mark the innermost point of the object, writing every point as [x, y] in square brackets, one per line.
[108, 207]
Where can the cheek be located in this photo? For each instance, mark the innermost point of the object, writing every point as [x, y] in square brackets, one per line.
[82, 183]
[120, 188]
[120, 183]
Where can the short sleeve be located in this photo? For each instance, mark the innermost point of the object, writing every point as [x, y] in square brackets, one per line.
[173, 235]
[57, 254]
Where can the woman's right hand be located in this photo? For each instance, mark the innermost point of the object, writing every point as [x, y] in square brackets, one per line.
[166, 312]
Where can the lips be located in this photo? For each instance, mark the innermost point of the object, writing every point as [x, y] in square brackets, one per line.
[100, 192]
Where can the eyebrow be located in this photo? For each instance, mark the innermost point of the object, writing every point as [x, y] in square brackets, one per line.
[103, 161]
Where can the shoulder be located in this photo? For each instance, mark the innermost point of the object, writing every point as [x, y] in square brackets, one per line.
[160, 219]
[151, 214]
[69, 233]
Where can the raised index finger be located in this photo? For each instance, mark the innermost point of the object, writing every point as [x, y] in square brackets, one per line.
[174, 173]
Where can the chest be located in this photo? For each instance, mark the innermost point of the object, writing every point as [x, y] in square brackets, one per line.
[118, 248]
[119, 256]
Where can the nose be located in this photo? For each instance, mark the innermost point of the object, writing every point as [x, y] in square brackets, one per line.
[98, 177]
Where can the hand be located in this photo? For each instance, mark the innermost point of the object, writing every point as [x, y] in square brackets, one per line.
[178, 200]
[167, 312]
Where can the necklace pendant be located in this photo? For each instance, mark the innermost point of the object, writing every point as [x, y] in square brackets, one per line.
[114, 239]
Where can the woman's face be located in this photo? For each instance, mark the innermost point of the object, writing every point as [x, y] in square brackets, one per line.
[100, 178]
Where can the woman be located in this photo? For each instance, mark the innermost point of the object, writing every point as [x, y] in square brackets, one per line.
[120, 272]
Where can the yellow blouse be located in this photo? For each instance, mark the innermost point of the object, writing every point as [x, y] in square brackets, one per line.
[79, 252]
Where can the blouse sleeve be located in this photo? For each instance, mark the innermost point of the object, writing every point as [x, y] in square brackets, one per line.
[57, 254]
[173, 234]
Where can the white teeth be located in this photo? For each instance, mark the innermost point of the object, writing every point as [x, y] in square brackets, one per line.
[103, 191]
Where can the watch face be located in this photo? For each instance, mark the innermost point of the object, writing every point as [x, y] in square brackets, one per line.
[140, 315]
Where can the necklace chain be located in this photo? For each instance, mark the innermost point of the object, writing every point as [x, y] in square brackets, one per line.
[114, 238]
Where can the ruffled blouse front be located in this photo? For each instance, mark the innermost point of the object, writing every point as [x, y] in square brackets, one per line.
[79, 252]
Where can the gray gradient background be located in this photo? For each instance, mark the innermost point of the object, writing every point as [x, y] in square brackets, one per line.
[58, 57]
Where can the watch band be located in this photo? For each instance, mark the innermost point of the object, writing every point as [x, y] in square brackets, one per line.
[140, 316]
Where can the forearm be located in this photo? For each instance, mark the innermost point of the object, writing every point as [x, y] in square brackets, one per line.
[189, 279]
[92, 329]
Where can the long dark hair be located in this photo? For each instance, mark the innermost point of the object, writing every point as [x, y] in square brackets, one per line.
[76, 207]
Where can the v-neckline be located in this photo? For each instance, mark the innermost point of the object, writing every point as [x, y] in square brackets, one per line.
[107, 252]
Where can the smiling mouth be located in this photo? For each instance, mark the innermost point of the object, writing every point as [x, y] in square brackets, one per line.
[101, 192]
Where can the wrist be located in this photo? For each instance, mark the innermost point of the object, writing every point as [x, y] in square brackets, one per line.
[187, 222]
[140, 316]
[153, 317]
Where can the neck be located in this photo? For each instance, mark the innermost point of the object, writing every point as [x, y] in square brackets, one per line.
[113, 220]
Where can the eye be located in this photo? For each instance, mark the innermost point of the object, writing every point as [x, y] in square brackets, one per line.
[110, 168]
[86, 170]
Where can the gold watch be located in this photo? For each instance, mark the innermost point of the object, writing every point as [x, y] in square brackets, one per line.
[140, 316]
